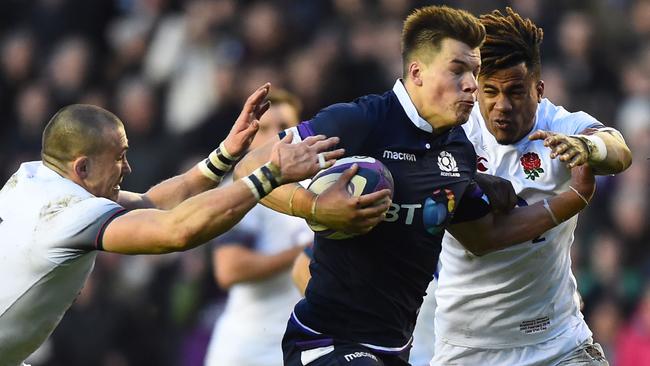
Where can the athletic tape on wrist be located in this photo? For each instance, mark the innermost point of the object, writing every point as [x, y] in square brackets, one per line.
[217, 164]
[596, 145]
[263, 180]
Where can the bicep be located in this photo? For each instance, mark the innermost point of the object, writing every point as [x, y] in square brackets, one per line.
[132, 200]
[142, 231]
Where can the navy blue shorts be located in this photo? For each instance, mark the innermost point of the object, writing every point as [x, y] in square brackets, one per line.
[301, 348]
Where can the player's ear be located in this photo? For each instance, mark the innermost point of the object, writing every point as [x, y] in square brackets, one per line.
[414, 72]
[539, 88]
[80, 167]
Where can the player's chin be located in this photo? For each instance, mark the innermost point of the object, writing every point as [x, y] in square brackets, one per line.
[462, 117]
[114, 194]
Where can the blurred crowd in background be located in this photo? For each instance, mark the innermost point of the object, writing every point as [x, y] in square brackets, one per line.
[177, 73]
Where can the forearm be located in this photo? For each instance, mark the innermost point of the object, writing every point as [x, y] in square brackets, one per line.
[193, 222]
[236, 264]
[499, 231]
[171, 192]
[618, 158]
[290, 199]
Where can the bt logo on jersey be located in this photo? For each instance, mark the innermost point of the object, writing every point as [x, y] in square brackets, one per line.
[436, 211]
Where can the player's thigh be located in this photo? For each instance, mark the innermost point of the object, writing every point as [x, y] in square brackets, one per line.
[587, 354]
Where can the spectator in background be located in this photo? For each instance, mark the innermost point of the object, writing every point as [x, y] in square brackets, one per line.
[69, 69]
[23, 141]
[316, 32]
[253, 262]
[633, 346]
[136, 103]
[605, 321]
[183, 54]
[606, 275]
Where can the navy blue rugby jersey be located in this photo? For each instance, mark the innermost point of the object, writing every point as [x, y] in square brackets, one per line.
[368, 289]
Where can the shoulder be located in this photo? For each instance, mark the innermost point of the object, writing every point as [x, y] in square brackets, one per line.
[557, 119]
[364, 109]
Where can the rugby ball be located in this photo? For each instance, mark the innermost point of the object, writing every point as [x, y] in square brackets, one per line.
[372, 176]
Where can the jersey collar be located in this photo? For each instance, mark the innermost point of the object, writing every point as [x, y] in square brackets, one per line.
[409, 107]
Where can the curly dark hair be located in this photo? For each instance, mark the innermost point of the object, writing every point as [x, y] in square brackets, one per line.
[510, 40]
[426, 27]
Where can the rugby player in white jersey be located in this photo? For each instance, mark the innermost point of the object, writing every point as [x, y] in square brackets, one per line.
[56, 214]
[519, 306]
[252, 261]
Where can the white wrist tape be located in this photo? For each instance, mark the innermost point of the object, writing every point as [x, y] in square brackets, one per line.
[596, 146]
[600, 152]
[263, 180]
[217, 164]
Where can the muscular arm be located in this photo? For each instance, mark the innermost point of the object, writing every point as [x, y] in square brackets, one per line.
[497, 231]
[278, 200]
[169, 193]
[206, 215]
[193, 222]
[335, 208]
[577, 149]
[619, 156]
[234, 263]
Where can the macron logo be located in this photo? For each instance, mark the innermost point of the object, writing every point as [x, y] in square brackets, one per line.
[351, 356]
[398, 156]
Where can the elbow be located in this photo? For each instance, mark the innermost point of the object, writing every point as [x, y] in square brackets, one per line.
[626, 159]
[224, 281]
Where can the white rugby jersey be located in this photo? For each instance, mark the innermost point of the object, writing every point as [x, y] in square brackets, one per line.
[524, 294]
[49, 228]
[250, 330]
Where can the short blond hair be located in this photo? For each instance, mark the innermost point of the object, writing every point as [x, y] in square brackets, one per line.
[76, 130]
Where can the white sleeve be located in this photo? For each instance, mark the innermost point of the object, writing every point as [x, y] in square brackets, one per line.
[572, 123]
[76, 229]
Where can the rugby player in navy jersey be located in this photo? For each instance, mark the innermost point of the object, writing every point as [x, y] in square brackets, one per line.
[362, 301]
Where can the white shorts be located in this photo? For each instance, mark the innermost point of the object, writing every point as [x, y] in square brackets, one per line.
[562, 350]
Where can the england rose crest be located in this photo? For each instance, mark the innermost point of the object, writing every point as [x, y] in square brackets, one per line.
[532, 165]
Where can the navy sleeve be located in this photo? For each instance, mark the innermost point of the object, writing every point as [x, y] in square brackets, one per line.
[473, 205]
[344, 120]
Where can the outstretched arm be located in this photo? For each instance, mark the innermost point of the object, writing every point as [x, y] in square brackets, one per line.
[204, 216]
[171, 192]
[335, 208]
[604, 149]
[497, 231]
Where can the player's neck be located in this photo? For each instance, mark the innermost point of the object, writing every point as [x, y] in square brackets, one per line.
[433, 120]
